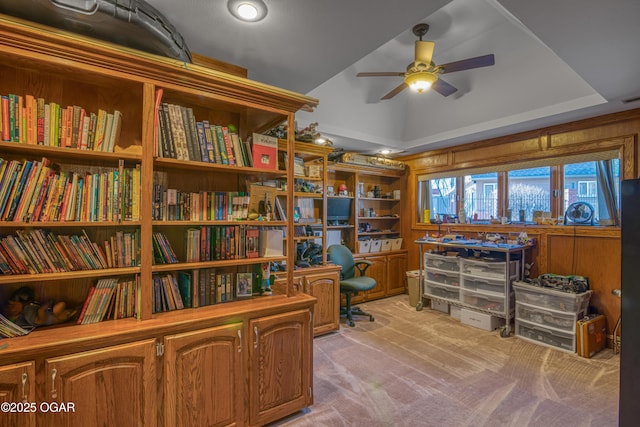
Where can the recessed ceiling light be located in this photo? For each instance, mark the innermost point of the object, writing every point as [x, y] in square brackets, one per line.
[247, 10]
[385, 151]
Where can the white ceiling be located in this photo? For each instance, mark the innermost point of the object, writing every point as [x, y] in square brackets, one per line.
[556, 61]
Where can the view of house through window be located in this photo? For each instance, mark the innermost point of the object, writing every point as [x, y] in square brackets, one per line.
[596, 183]
[481, 196]
[529, 191]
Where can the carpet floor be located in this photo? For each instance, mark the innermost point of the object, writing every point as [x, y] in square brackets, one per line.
[424, 368]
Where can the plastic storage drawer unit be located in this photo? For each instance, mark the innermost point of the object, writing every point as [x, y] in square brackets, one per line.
[441, 262]
[484, 301]
[551, 298]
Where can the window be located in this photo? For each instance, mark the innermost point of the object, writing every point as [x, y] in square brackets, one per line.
[596, 183]
[481, 196]
[529, 190]
[518, 190]
[443, 196]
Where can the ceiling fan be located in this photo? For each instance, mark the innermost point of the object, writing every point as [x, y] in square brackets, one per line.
[422, 73]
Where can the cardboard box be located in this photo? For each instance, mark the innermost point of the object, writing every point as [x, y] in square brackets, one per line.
[440, 306]
[591, 335]
[480, 320]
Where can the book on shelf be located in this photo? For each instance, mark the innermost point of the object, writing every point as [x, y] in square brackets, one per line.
[264, 151]
[9, 329]
[244, 284]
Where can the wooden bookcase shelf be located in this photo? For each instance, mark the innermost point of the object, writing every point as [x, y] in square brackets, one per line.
[70, 70]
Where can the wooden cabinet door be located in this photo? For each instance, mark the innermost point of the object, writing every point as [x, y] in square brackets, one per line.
[113, 386]
[326, 288]
[203, 381]
[377, 270]
[396, 274]
[280, 371]
[18, 387]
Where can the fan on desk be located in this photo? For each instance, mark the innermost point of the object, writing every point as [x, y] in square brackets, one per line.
[579, 213]
[423, 74]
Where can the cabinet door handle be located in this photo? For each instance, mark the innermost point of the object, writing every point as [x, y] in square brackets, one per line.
[239, 341]
[24, 390]
[255, 342]
[54, 393]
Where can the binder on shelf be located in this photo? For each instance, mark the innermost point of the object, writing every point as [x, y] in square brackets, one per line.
[264, 151]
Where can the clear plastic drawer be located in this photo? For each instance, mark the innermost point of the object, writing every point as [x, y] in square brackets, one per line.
[484, 285]
[551, 338]
[484, 301]
[441, 262]
[548, 318]
[488, 269]
[432, 289]
[552, 299]
[444, 277]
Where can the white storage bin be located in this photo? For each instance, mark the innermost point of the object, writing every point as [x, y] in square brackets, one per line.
[364, 246]
[437, 291]
[552, 299]
[565, 341]
[488, 269]
[396, 244]
[385, 245]
[440, 306]
[484, 285]
[443, 277]
[441, 262]
[484, 301]
[375, 245]
[480, 320]
[455, 312]
[549, 318]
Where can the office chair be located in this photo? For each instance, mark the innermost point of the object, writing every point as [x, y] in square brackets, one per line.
[350, 283]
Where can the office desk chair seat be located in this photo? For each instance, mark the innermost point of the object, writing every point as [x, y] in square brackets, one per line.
[350, 283]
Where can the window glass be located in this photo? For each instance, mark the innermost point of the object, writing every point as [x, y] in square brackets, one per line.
[442, 199]
[529, 191]
[481, 196]
[590, 182]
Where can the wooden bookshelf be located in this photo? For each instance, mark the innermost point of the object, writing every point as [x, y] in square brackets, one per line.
[71, 70]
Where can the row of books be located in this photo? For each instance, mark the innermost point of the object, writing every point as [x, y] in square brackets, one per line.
[39, 251]
[170, 204]
[110, 298]
[212, 243]
[35, 191]
[181, 137]
[30, 120]
[210, 286]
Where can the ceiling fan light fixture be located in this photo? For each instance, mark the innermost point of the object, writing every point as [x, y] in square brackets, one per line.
[420, 80]
[247, 10]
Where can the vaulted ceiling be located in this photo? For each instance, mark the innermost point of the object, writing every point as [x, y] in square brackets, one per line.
[555, 61]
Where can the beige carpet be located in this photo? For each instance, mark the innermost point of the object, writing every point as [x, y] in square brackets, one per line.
[411, 368]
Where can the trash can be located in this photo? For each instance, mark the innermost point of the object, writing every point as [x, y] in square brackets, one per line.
[413, 285]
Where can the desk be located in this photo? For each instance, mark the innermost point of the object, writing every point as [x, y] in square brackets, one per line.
[470, 282]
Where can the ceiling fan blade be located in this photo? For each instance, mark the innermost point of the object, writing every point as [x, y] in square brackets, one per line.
[424, 52]
[395, 91]
[467, 64]
[381, 74]
[443, 88]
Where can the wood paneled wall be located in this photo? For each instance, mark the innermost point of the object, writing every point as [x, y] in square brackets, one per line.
[593, 252]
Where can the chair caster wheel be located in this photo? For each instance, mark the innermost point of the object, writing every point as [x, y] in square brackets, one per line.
[504, 333]
[371, 319]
